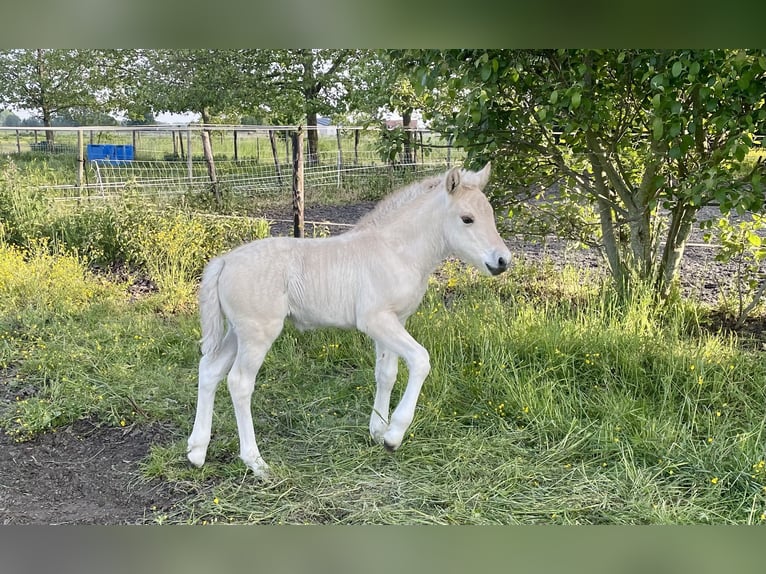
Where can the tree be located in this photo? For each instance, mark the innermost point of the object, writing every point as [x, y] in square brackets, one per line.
[647, 137]
[51, 82]
[382, 84]
[310, 82]
[208, 82]
[9, 119]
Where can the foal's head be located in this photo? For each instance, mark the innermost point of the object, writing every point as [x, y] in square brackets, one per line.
[470, 222]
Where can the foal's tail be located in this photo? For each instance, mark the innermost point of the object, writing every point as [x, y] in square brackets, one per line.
[211, 315]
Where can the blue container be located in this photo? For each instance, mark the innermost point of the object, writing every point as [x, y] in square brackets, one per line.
[110, 153]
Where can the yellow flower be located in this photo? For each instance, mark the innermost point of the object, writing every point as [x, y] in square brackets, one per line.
[215, 500]
[714, 480]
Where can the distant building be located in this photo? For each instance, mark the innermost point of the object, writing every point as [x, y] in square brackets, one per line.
[391, 124]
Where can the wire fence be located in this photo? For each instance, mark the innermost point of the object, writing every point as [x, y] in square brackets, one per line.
[249, 160]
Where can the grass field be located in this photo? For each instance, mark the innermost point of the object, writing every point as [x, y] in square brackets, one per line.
[539, 408]
[548, 401]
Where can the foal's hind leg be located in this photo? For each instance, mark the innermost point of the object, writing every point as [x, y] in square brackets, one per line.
[255, 339]
[386, 367]
[212, 368]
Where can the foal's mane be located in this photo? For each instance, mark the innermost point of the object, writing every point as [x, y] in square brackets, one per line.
[400, 200]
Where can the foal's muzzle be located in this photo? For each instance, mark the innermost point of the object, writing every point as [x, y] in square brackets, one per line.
[502, 265]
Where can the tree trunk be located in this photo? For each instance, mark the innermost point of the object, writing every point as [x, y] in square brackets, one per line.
[312, 136]
[642, 255]
[49, 137]
[406, 118]
[273, 141]
[42, 78]
[682, 220]
[611, 245]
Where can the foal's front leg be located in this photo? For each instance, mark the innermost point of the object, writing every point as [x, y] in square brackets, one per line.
[389, 333]
[386, 367]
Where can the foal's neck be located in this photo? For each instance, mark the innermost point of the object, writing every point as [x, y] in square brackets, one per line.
[420, 237]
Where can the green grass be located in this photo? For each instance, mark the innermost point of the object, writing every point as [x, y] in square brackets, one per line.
[547, 403]
[548, 400]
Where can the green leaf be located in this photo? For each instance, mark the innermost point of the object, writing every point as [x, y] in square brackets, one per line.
[554, 97]
[677, 68]
[754, 239]
[694, 69]
[576, 97]
[486, 72]
[744, 81]
[657, 128]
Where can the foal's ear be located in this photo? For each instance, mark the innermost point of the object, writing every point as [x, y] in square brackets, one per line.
[453, 179]
[483, 175]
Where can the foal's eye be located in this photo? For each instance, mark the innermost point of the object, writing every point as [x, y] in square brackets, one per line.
[467, 219]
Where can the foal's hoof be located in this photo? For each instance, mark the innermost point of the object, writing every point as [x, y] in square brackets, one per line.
[259, 467]
[390, 447]
[196, 456]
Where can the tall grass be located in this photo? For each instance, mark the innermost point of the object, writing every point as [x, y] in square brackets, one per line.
[540, 408]
[549, 401]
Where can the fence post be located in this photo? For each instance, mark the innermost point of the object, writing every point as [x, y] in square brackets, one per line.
[340, 154]
[18, 142]
[298, 228]
[189, 154]
[80, 159]
[356, 146]
[236, 154]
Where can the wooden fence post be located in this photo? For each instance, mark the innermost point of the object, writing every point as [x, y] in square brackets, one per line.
[189, 154]
[356, 146]
[207, 151]
[298, 228]
[340, 154]
[80, 160]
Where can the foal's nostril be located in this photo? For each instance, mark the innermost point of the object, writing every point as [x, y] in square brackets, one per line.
[501, 262]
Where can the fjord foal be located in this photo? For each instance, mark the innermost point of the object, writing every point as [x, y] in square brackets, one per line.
[372, 278]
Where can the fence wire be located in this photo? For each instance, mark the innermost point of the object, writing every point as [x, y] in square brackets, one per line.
[168, 160]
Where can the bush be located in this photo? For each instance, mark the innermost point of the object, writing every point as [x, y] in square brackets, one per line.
[171, 244]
